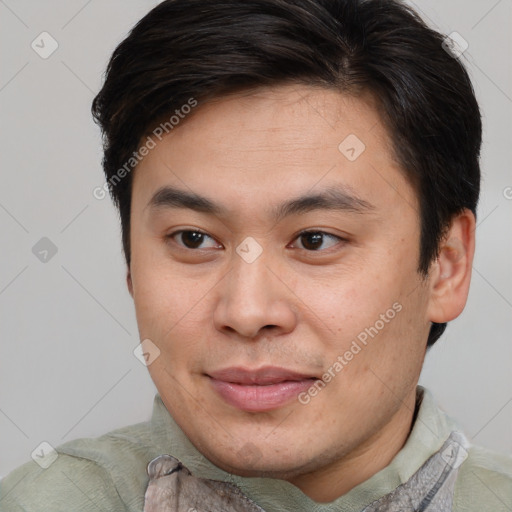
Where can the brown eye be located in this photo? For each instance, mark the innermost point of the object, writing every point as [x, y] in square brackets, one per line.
[190, 239]
[316, 240]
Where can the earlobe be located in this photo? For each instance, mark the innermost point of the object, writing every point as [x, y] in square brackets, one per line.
[451, 272]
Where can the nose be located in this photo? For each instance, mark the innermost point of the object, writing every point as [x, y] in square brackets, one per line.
[253, 300]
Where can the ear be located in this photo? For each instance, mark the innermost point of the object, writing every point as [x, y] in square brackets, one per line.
[129, 282]
[450, 274]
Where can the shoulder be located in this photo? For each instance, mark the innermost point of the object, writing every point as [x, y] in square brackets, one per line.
[104, 473]
[484, 481]
[69, 483]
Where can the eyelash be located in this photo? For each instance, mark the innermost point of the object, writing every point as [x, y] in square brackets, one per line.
[299, 235]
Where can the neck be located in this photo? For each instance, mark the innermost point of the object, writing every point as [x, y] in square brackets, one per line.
[367, 459]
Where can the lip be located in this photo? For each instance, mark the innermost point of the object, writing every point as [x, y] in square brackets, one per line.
[261, 389]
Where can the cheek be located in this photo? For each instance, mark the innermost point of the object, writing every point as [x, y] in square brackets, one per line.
[373, 322]
[172, 312]
[390, 342]
[162, 295]
[343, 306]
[154, 300]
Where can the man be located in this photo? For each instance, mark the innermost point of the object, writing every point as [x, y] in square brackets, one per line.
[297, 184]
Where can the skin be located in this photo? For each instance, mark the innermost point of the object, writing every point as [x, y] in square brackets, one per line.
[301, 303]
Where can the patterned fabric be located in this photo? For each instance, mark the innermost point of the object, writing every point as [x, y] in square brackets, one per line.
[431, 488]
[172, 488]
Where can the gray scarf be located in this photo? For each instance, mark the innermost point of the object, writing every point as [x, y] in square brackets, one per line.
[172, 487]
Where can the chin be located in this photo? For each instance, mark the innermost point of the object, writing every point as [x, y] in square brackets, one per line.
[252, 461]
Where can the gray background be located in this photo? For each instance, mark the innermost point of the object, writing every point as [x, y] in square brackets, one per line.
[67, 326]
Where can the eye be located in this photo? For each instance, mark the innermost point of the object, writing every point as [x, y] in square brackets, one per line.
[314, 240]
[195, 239]
[190, 238]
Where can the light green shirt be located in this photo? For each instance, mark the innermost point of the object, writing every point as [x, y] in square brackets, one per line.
[109, 472]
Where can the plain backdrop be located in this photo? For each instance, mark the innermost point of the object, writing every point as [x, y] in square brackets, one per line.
[67, 325]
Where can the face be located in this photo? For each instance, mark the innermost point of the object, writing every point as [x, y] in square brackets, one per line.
[278, 277]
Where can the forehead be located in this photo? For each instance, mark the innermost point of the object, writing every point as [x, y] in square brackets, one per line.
[283, 114]
[265, 144]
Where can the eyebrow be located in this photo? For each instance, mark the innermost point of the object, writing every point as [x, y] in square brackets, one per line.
[333, 198]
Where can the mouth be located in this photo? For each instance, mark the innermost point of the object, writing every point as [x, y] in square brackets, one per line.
[259, 390]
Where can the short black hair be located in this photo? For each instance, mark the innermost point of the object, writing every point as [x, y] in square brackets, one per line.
[203, 49]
